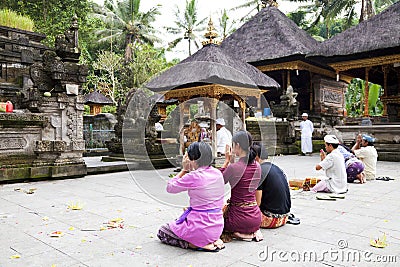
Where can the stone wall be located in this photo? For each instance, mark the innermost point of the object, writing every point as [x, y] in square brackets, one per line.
[328, 100]
[277, 136]
[387, 138]
[98, 129]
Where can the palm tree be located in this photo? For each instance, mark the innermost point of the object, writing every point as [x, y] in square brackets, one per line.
[187, 25]
[368, 7]
[331, 9]
[255, 6]
[124, 19]
[226, 25]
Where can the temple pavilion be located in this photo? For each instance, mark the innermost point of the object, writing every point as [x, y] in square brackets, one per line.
[369, 51]
[213, 76]
[275, 45]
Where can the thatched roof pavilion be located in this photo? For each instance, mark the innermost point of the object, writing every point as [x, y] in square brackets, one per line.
[278, 47]
[268, 36]
[95, 101]
[371, 51]
[379, 35]
[213, 74]
[209, 65]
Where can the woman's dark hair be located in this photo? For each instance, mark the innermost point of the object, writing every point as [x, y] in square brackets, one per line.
[245, 141]
[260, 150]
[201, 153]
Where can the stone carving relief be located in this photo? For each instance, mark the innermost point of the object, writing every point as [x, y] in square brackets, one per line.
[67, 43]
[43, 146]
[7, 143]
[331, 96]
[59, 146]
[71, 123]
[78, 145]
[55, 121]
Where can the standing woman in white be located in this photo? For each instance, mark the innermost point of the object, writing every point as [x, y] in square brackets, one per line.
[307, 129]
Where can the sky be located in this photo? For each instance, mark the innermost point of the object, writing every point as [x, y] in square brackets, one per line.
[206, 8]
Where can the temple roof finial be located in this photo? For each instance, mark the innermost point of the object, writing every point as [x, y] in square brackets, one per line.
[265, 3]
[210, 35]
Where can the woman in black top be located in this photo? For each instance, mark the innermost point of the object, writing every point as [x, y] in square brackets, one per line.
[273, 194]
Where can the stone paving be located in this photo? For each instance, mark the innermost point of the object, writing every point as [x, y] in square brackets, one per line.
[331, 233]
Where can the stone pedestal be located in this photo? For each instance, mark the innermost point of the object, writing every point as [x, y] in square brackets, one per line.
[277, 136]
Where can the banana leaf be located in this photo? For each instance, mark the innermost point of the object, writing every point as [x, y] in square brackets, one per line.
[373, 95]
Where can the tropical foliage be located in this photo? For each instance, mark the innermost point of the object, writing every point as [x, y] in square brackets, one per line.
[107, 65]
[52, 17]
[355, 96]
[253, 7]
[226, 24]
[187, 25]
[125, 22]
[14, 20]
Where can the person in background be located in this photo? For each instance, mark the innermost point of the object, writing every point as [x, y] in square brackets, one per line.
[203, 135]
[307, 129]
[242, 215]
[224, 136]
[364, 150]
[273, 194]
[354, 166]
[333, 165]
[201, 225]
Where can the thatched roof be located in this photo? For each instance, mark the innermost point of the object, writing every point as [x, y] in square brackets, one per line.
[97, 98]
[379, 32]
[270, 34]
[211, 65]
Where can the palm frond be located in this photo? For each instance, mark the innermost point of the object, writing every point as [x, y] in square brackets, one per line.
[175, 42]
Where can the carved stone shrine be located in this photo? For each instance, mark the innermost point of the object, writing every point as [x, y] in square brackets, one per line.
[43, 137]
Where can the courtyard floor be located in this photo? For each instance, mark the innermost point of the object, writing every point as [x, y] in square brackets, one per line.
[48, 228]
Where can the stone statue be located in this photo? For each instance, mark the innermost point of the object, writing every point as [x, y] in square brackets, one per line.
[291, 96]
[288, 107]
[67, 44]
[201, 111]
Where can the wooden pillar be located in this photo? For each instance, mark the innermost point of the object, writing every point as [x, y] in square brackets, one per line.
[366, 93]
[213, 115]
[259, 102]
[283, 81]
[242, 105]
[181, 130]
[288, 79]
[311, 91]
[385, 70]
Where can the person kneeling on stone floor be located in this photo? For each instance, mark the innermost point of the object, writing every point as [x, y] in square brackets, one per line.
[334, 167]
[364, 150]
[273, 194]
[201, 225]
[354, 166]
[242, 214]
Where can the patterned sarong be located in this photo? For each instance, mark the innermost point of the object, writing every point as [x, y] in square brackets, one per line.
[166, 236]
[270, 220]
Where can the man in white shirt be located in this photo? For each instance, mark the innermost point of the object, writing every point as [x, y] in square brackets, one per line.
[224, 136]
[334, 167]
[307, 129]
[364, 150]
